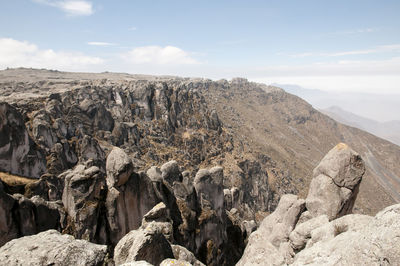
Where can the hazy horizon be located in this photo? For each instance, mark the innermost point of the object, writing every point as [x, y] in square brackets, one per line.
[351, 46]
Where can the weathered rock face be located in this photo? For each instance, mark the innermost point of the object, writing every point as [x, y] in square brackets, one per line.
[147, 244]
[212, 220]
[20, 216]
[269, 243]
[8, 225]
[18, 154]
[373, 243]
[302, 233]
[51, 248]
[82, 197]
[127, 204]
[334, 187]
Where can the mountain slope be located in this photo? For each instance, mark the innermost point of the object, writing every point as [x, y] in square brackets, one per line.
[388, 130]
[295, 135]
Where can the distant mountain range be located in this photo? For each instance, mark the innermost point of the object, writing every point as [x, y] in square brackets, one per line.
[378, 107]
[386, 130]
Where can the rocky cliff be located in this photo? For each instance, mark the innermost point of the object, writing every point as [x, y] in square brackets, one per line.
[187, 166]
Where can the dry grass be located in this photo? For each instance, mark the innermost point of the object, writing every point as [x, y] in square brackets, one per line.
[14, 180]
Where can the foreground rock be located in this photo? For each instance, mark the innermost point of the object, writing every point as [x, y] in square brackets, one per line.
[148, 244]
[376, 243]
[269, 243]
[51, 248]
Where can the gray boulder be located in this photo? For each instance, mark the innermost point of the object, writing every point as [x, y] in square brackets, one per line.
[119, 167]
[147, 244]
[373, 243]
[170, 172]
[51, 248]
[335, 183]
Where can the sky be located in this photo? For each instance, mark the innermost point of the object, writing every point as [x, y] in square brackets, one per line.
[351, 45]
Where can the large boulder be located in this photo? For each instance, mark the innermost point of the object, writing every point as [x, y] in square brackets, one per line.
[119, 168]
[148, 244]
[170, 172]
[18, 153]
[335, 183]
[269, 244]
[51, 248]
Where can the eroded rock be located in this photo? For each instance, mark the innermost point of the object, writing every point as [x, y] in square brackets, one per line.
[269, 243]
[143, 244]
[18, 153]
[51, 248]
[335, 183]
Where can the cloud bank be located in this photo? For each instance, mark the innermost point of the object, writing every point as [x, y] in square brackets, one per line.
[14, 53]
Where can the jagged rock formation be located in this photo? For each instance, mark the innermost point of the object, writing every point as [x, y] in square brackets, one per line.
[299, 233]
[161, 158]
[51, 248]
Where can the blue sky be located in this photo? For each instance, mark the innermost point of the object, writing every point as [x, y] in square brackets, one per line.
[329, 45]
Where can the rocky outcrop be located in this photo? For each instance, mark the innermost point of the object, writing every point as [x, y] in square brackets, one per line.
[18, 153]
[20, 216]
[51, 248]
[82, 198]
[147, 244]
[119, 168]
[373, 242]
[127, 203]
[212, 220]
[335, 182]
[269, 243]
[290, 236]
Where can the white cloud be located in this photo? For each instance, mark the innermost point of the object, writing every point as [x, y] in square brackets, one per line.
[159, 56]
[132, 28]
[71, 7]
[101, 43]
[14, 53]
